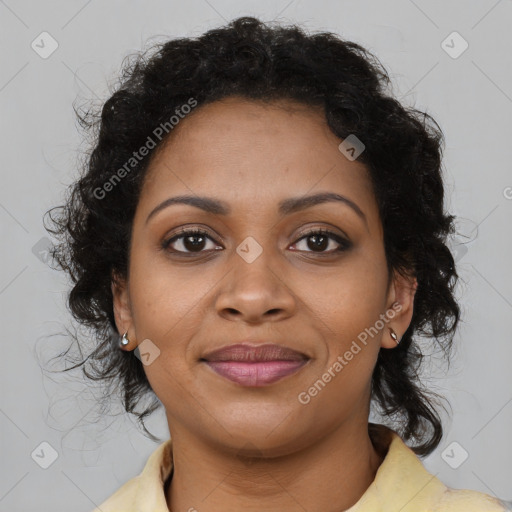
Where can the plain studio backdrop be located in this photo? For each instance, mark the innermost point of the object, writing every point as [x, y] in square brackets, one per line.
[450, 58]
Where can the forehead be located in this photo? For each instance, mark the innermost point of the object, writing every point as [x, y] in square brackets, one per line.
[253, 153]
[240, 123]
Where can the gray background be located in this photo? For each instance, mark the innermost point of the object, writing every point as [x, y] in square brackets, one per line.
[471, 98]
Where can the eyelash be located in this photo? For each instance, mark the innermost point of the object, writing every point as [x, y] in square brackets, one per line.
[343, 244]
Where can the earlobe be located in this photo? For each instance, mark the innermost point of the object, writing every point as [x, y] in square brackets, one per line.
[121, 304]
[400, 309]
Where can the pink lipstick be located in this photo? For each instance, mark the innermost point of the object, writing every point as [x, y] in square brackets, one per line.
[255, 366]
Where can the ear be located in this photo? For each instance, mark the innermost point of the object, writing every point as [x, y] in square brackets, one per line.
[122, 306]
[400, 300]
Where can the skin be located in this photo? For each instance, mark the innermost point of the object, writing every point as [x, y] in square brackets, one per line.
[241, 448]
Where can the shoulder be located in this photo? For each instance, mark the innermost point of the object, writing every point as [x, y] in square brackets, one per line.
[465, 500]
[145, 492]
[403, 483]
[122, 499]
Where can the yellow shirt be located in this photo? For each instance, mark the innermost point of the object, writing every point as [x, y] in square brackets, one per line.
[401, 484]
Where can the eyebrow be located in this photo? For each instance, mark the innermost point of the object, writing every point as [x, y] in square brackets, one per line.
[286, 207]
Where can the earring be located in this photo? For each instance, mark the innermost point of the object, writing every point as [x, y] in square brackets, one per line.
[124, 340]
[393, 335]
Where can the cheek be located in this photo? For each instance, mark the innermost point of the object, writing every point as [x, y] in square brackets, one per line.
[347, 299]
[165, 297]
[346, 309]
[166, 308]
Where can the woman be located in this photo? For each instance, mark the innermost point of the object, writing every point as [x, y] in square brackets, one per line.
[260, 227]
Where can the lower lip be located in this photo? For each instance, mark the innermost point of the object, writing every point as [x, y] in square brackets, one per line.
[255, 374]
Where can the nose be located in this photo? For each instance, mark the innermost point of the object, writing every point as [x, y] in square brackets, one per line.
[255, 292]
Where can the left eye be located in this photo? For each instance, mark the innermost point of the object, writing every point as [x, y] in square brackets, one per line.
[320, 240]
[194, 241]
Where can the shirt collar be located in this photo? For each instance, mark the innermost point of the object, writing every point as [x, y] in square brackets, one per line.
[401, 482]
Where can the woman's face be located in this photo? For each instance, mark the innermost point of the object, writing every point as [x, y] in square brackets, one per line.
[253, 276]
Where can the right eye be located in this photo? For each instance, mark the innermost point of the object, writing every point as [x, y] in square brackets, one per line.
[188, 241]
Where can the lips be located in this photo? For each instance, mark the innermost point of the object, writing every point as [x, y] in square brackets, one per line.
[252, 353]
[255, 366]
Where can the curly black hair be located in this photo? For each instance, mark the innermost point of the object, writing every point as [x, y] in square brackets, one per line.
[265, 62]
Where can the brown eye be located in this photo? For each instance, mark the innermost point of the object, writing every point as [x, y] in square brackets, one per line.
[189, 241]
[321, 239]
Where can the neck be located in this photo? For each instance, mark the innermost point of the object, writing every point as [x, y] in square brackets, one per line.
[329, 475]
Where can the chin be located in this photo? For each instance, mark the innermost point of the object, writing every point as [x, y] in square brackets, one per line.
[274, 437]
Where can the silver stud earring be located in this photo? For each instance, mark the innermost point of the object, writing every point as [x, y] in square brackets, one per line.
[393, 335]
[124, 340]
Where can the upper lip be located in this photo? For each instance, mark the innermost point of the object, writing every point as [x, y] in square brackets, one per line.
[248, 352]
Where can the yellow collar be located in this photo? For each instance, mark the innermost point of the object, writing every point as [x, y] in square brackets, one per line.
[401, 484]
